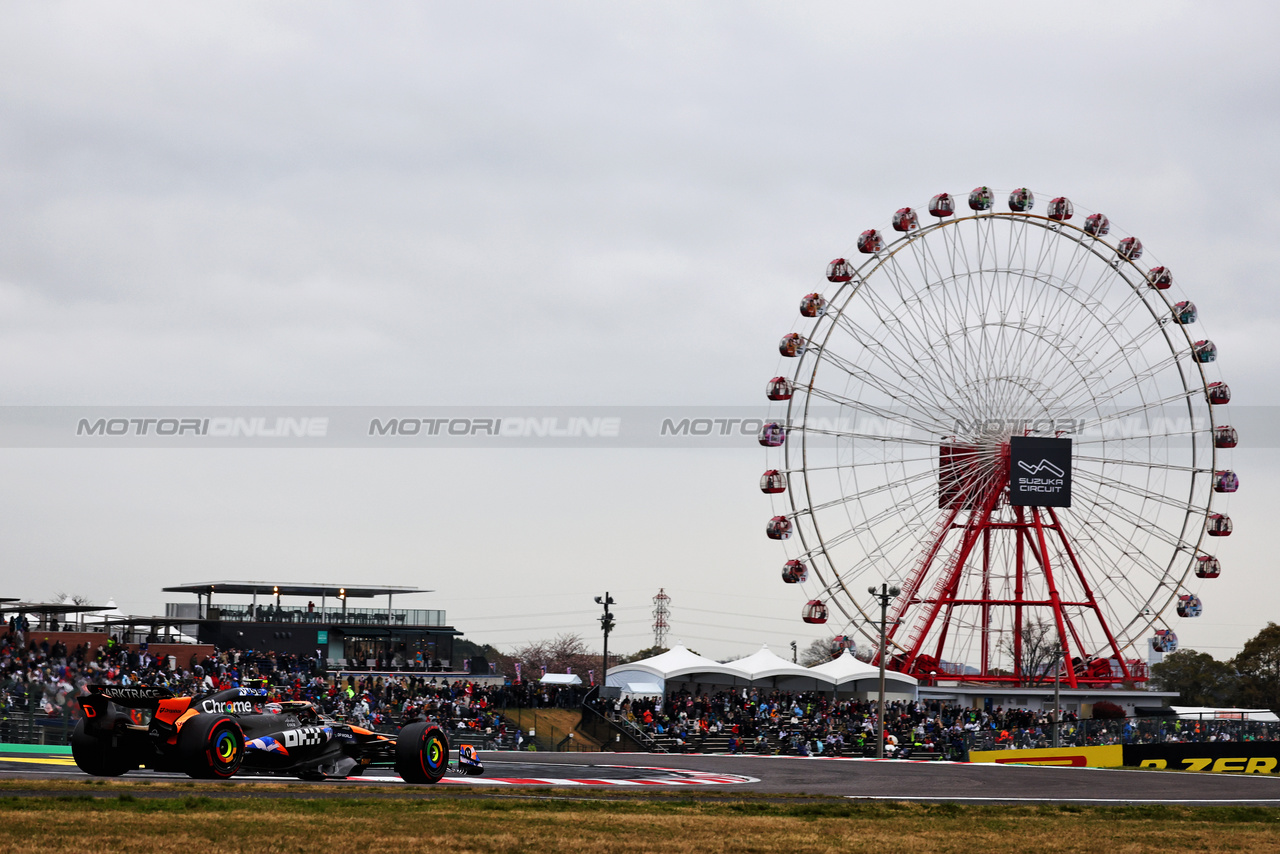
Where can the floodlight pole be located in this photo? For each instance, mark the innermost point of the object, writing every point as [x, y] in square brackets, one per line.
[884, 595]
[1059, 663]
[606, 623]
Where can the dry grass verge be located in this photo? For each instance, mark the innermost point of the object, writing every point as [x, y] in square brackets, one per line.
[125, 823]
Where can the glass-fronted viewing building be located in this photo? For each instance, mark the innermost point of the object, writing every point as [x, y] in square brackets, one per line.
[317, 619]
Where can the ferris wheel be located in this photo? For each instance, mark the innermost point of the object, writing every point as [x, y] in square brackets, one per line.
[1012, 419]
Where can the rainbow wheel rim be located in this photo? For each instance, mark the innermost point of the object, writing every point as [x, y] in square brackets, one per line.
[434, 753]
[225, 747]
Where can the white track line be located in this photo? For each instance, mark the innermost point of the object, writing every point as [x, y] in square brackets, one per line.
[1202, 801]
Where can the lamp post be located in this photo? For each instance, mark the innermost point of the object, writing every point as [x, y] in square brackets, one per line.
[1059, 662]
[884, 595]
[606, 623]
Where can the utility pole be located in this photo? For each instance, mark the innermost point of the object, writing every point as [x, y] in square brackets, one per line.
[793, 652]
[1059, 663]
[606, 623]
[885, 595]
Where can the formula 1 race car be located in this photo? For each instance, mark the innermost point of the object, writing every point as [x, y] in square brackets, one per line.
[218, 735]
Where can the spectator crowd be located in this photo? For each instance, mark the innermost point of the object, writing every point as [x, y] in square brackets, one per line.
[39, 679]
[815, 724]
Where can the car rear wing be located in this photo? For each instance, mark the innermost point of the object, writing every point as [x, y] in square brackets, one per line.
[130, 698]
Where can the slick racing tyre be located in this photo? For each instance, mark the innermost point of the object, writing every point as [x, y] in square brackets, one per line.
[211, 746]
[96, 756]
[422, 753]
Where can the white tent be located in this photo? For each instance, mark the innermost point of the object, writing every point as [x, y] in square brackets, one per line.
[561, 679]
[851, 675]
[678, 668]
[100, 618]
[766, 668]
[1211, 713]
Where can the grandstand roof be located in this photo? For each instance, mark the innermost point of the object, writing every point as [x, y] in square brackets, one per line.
[50, 607]
[288, 588]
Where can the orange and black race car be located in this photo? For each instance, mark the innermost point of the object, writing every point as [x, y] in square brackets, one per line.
[233, 731]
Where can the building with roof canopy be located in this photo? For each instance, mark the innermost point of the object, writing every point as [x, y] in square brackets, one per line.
[304, 619]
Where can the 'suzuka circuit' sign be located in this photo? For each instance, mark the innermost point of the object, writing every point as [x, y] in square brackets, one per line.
[1039, 472]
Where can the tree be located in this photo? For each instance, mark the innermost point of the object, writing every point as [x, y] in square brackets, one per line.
[463, 648]
[1106, 710]
[641, 655]
[1199, 678]
[558, 655]
[1258, 667]
[817, 652]
[1040, 651]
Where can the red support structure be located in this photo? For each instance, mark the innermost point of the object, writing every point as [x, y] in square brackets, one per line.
[999, 578]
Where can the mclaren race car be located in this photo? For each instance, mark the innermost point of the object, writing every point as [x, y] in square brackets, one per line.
[221, 734]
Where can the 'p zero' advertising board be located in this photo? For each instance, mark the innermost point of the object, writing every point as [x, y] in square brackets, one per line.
[1107, 756]
[1039, 472]
[1238, 757]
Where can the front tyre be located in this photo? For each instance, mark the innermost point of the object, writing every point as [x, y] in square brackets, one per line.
[211, 747]
[96, 756]
[422, 753]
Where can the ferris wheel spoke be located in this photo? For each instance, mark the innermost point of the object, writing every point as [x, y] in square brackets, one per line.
[1106, 323]
[1090, 305]
[893, 416]
[926, 404]
[1137, 521]
[1158, 498]
[1108, 587]
[1124, 550]
[1177, 399]
[892, 358]
[932, 320]
[957, 253]
[1146, 464]
[1128, 383]
[870, 437]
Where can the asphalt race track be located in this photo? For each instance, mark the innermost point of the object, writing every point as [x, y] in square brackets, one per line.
[843, 778]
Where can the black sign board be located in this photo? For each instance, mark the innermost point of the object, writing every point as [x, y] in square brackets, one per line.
[1241, 757]
[1039, 472]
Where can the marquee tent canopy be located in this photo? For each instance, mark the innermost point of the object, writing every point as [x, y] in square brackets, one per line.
[763, 669]
[851, 674]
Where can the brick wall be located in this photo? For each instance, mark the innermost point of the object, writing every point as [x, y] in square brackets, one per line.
[181, 651]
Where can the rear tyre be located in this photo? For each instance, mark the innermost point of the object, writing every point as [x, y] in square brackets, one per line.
[211, 746]
[96, 756]
[422, 753]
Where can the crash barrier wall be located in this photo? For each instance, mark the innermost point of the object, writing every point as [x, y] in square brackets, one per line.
[1146, 730]
[960, 746]
[1107, 756]
[1231, 757]
[1243, 757]
[24, 721]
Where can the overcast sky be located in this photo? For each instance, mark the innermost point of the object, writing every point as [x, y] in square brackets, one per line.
[554, 204]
